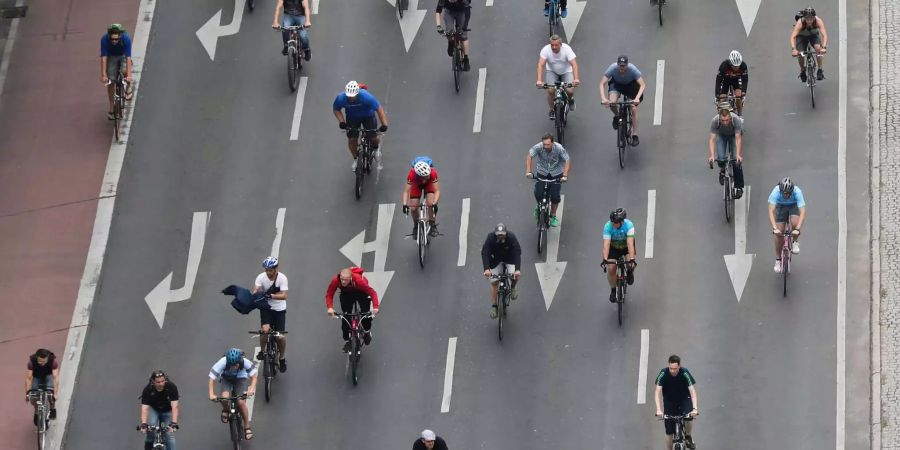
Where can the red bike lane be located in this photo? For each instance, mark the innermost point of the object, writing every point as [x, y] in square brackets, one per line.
[54, 142]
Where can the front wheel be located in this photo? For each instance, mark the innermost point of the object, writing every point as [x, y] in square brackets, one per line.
[354, 359]
[292, 68]
[457, 64]
[501, 314]
[422, 240]
[560, 123]
[620, 301]
[542, 230]
[360, 178]
[622, 143]
[729, 199]
[236, 431]
[660, 3]
[250, 5]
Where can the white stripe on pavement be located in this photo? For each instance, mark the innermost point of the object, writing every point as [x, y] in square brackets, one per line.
[479, 100]
[651, 223]
[279, 227]
[658, 99]
[463, 233]
[250, 400]
[839, 434]
[7, 49]
[489, 3]
[298, 108]
[642, 371]
[314, 5]
[448, 375]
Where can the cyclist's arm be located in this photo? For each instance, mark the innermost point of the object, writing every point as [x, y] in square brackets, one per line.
[253, 381]
[283, 295]
[604, 82]
[802, 218]
[405, 198]
[128, 65]
[437, 13]
[824, 32]
[28, 378]
[792, 41]
[606, 243]
[516, 250]
[528, 162]
[382, 117]
[56, 378]
[437, 191]
[540, 69]
[103, 67]
[566, 168]
[175, 414]
[145, 412]
[712, 145]
[339, 115]
[739, 143]
[632, 253]
[279, 5]
[640, 91]
[772, 214]
[574, 69]
[720, 77]
[307, 11]
[657, 397]
[694, 402]
[485, 256]
[212, 386]
[745, 80]
[329, 294]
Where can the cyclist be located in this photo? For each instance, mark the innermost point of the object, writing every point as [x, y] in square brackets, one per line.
[455, 13]
[618, 240]
[676, 395]
[501, 247]
[296, 13]
[557, 63]
[562, 6]
[623, 78]
[355, 288]
[233, 371]
[551, 160]
[423, 176]
[733, 73]
[159, 404]
[275, 285]
[115, 55]
[429, 441]
[727, 128]
[786, 202]
[361, 108]
[807, 30]
[43, 373]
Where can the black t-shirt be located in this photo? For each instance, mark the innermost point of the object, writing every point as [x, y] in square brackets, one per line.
[729, 71]
[294, 7]
[160, 400]
[675, 388]
[439, 444]
[452, 5]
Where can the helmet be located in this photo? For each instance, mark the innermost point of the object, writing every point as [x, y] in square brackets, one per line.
[422, 168]
[735, 58]
[233, 356]
[617, 215]
[500, 229]
[270, 262]
[351, 89]
[809, 12]
[115, 28]
[786, 186]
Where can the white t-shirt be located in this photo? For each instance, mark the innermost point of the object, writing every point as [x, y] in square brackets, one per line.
[263, 282]
[558, 63]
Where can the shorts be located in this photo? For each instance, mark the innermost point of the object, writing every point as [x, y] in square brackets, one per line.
[555, 190]
[812, 40]
[510, 269]
[629, 90]
[45, 383]
[676, 408]
[615, 253]
[237, 386]
[734, 83]
[275, 319]
[415, 191]
[368, 123]
[551, 77]
[782, 212]
[113, 64]
[456, 19]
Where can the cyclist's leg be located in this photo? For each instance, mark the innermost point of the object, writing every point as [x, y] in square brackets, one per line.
[782, 214]
[538, 190]
[794, 215]
[460, 18]
[613, 98]
[304, 33]
[371, 123]
[569, 77]
[279, 319]
[631, 91]
[686, 407]
[555, 197]
[112, 72]
[495, 283]
[429, 202]
[347, 301]
[738, 169]
[353, 136]
[240, 387]
[800, 44]
[550, 77]
[721, 150]
[225, 389]
[817, 45]
[511, 269]
[153, 418]
[739, 92]
[415, 192]
[166, 417]
[265, 325]
[365, 305]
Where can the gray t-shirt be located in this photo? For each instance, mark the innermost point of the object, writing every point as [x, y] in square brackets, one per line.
[549, 163]
[631, 74]
[736, 126]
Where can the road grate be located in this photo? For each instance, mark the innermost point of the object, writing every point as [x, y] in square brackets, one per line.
[14, 12]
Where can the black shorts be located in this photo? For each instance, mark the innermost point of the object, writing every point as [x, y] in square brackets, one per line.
[629, 90]
[676, 408]
[734, 83]
[615, 253]
[555, 189]
[275, 319]
[783, 212]
[811, 40]
[368, 123]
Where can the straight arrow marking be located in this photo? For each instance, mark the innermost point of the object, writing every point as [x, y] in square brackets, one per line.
[550, 273]
[279, 226]
[575, 8]
[748, 10]
[410, 22]
[740, 263]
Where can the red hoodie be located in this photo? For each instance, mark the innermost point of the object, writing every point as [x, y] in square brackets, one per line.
[357, 283]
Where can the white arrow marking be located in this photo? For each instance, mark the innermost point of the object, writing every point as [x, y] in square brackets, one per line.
[740, 262]
[575, 8]
[550, 273]
[354, 249]
[411, 21]
[748, 10]
[315, 6]
[212, 30]
[298, 108]
[163, 294]
[279, 226]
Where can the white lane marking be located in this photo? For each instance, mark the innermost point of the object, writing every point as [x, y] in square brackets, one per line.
[298, 108]
[740, 263]
[212, 30]
[479, 100]
[658, 95]
[875, 380]
[7, 49]
[489, 3]
[651, 223]
[642, 371]
[448, 375]
[314, 6]
[251, 400]
[840, 419]
[87, 290]
[463, 233]
[279, 231]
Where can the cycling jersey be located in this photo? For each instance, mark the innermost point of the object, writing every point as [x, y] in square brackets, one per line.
[452, 5]
[796, 198]
[415, 180]
[737, 77]
[808, 30]
[618, 237]
[121, 48]
[365, 106]
[220, 372]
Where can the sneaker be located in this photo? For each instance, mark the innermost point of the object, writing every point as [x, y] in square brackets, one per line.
[35, 416]
[634, 140]
[415, 229]
[546, 12]
[689, 441]
[493, 316]
[803, 77]
[53, 414]
[777, 266]
[564, 13]
[554, 221]
[722, 177]
[260, 356]
[552, 114]
[353, 166]
[629, 277]
[820, 75]
[346, 348]
[466, 66]
[572, 105]
[612, 296]
[449, 48]
[615, 122]
[537, 210]
[795, 248]
[738, 193]
[514, 293]
[367, 338]
[282, 366]
[307, 54]
[434, 231]
[284, 50]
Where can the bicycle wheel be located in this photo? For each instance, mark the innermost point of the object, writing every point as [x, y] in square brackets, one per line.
[501, 314]
[812, 93]
[117, 114]
[554, 18]
[422, 240]
[292, 68]
[622, 143]
[660, 3]
[235, 423]
[678, 446]
[41, 429]
[729, 199]
[620, 301]
[542, 230]
[457, 63]
[250, 5]
[354, 359]
[360, 175]
[560, 123]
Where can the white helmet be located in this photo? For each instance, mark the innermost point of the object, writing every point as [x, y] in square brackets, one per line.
[422, 168]
[735, 58]
[352, 89]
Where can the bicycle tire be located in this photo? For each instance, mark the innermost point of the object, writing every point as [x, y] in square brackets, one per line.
[729, 199]
[41, 429]
[560, 123]
[660, 3]
[678, 446]
[354, 359]
[812, 94]
[291, 68]
[622, 143]
[235, 424]
[401, 6]
[785, 267]
[422, 240]
[267, 378]
[542, 230]
[620, 303]
[501, 313]
[117, 115]
[250, 5]
[360, 178]
[554, 18]
[456, 68]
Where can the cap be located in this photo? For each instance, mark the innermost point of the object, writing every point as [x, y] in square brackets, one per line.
[622, 60]
[428, 435]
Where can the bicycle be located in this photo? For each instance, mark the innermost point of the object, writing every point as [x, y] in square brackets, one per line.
[621, 285]
[354, 319]
[250, 5]
[543, 217]
[727, 175]
[456, 41]
[402, 5]
[554, 17]
[423, 231]
[733, 101]
[504, 288]
[235, 418]
[118, 101]
[294, 60]
[271, 356]
[560, 107]
[159, 435]
[623, 139]
[365, 156]
[811, 62]
[679, 441]
[40, 398]
[786, 253]
[659, 4]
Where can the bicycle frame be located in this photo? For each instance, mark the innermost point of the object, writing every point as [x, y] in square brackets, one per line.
[293, 55]
[621, 285]
[543, 219]
[423, 228]
[787, 241]
[354, 319]
[560, 107]
[811, 64]
[623, 136]
[40, 399]
[160, 433]
[678, 441]
[235, 417]
[504, 288]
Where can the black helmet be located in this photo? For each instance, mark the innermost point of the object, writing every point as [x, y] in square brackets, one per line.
[617, 215]
[809, 12]
[786, 186]
[500, 229]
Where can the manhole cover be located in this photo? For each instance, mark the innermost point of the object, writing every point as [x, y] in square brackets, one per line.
[13, 12]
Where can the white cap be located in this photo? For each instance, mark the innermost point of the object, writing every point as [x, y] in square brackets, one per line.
[428, 435]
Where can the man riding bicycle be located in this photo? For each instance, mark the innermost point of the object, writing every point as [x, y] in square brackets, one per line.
[456, 15]
[115, 55]
[159, 404]
[551, 161]
[296, 13]
[422, 177]
[557, 64]
[43, 373]
[275, 285]
[429, 441]
[733, 73]
[727, 129]
[618, 240]
[623, 78]
[233, 371]
[809, 30]
[786, 202]
[361, 108]
[501, 248]
[355, 288]
[675, 396]
[562, 6]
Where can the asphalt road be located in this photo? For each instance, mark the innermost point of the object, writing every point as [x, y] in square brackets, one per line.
[214, 136]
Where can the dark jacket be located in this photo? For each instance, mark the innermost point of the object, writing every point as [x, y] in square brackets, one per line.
[245, 302]
[493, 252]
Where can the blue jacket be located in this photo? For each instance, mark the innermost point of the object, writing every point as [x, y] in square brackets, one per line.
[245, 302]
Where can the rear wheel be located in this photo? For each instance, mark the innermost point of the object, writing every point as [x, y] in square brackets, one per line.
[292, 68]
[354, 359]
[660, 3]
[422, 240]
[560, 123]
[457, 64]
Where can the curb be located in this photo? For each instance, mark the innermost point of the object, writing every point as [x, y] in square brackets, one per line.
[875, 219]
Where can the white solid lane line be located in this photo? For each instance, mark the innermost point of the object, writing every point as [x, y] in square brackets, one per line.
[298, 108]
[7, 49]
[463, 233]
[314, 5]
[651, 223]
[448, 375]
[839, 435]
[279, 228]
[658, 95]
[642, 372]
[479, 100]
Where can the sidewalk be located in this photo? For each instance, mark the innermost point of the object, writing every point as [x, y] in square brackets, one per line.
[54, 141]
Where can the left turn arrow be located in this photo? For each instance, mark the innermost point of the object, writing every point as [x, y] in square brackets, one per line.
[212, 30]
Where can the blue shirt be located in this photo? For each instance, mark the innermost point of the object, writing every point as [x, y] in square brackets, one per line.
[618, 237]
[123, 47]
[631, 74]
[364, 107]
[796, 198]
[219, 371]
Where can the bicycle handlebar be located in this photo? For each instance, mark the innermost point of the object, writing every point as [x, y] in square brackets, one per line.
[259, 333]
[239, 397]
[292, 27]
[556, 85]
[687, 416]
[547, 180]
